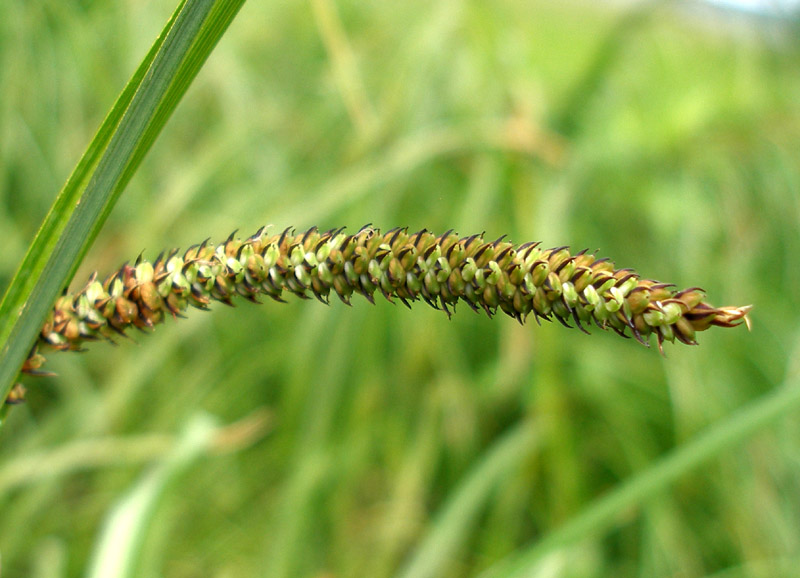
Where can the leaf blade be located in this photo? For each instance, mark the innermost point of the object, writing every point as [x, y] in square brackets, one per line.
[108, 164]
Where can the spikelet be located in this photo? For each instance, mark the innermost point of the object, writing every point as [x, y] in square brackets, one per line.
[442, 270]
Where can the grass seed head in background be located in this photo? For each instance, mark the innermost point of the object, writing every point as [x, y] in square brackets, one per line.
[442, 270]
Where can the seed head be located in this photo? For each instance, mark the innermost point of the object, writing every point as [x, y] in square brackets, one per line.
[443, 270]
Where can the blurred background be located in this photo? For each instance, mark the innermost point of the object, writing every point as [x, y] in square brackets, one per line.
[376, 441]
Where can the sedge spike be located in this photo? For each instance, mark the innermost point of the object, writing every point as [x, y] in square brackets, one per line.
[443, 270]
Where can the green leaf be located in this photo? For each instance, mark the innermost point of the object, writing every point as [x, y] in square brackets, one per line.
[82, 206]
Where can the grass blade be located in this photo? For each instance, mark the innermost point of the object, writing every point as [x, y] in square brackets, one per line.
[606, 510]
[91, 191]
[457, 518]
[126, 526]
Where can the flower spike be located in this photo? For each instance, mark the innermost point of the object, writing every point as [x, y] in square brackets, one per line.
[519, 280]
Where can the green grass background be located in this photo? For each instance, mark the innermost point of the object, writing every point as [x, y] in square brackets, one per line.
[376, 441]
